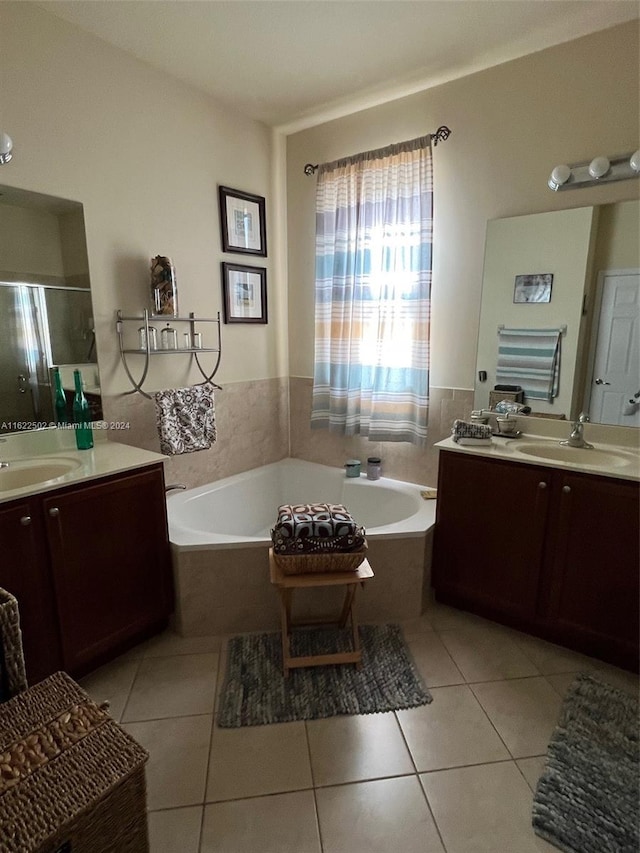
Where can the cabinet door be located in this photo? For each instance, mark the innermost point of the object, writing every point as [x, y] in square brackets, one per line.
[24, 572]
[111, 566]
[594, 586]
[489, 535]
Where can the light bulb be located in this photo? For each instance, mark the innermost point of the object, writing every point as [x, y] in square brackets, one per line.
[634, 161]
[560, 175]
[6, 147]
[599, 167]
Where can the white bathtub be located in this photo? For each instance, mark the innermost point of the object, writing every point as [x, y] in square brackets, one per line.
[220, 535]
[241, 510]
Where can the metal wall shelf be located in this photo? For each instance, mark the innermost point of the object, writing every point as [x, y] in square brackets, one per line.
[145, 318]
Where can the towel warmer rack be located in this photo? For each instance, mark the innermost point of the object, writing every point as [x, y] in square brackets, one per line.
[147, 352]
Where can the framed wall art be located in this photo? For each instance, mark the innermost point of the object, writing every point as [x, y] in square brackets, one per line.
[533, 288]
[242, 221]
[244, 293]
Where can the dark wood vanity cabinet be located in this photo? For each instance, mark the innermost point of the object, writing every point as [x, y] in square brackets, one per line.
[543, 550]
[24, 572]
[91, 569]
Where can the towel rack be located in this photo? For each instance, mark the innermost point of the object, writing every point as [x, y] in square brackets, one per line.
[145, 318]
[561, 329]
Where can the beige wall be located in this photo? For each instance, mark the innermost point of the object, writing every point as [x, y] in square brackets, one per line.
[511, 124]
[144, 154]
[30, 241]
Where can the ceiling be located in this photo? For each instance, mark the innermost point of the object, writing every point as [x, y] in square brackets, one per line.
[292, 63]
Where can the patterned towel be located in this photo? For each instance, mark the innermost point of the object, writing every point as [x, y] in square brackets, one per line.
[302, 520]
[185, 418]
[315, 528]
[463, 430]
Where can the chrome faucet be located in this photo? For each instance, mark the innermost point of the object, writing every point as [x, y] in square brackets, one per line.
[576, 437]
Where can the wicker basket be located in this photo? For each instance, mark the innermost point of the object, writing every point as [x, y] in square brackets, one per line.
[332, 561]
[13, 677]
[70, 778]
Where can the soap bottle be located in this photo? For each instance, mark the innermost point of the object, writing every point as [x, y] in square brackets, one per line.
[60, 401]
[81, 416]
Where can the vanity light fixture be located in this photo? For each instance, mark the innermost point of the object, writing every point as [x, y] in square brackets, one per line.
[600, 170]
[6, 148]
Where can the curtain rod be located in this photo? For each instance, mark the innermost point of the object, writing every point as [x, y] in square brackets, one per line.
[441, 135]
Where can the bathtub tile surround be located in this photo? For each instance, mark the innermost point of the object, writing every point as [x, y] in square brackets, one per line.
[400, 460]
[251, 422]
[360, 783]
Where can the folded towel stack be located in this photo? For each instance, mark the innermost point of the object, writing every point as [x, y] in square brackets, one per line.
[315, 529]
[466, 433]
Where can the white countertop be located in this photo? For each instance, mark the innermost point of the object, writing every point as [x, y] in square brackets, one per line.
[105, 458]
[511, 449]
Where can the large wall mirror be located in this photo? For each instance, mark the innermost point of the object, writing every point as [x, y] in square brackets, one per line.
[573, 274]
[46, 315]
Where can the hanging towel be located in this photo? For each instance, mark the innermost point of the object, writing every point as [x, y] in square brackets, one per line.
[530, 358]
[185, 418]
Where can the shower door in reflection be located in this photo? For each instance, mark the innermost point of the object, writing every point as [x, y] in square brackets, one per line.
[40, 326]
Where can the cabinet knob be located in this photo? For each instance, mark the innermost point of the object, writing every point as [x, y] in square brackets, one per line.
[25, 521]
[54, 511]
[542, 484]
[566, 489]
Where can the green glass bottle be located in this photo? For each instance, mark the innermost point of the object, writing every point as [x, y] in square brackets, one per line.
[81, 416]
[60, 401]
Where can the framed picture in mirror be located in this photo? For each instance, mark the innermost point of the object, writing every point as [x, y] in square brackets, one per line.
[533, 288]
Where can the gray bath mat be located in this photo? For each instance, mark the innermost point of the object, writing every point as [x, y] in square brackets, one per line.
[586, 800]
[256, 692]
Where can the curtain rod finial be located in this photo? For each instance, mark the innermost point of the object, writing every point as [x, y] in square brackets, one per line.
[310, 169]
[441, 134]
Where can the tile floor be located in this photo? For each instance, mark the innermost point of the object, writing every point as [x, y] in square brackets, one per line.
[454, 776]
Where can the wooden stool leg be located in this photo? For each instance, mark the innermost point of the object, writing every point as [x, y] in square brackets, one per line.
[354, 629]
[348, 603]
[285, 623]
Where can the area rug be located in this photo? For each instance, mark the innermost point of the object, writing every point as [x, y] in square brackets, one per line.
[255, 691]
[586, 800]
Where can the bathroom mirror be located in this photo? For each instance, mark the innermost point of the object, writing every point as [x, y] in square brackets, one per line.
[46, 315]
[590, 256]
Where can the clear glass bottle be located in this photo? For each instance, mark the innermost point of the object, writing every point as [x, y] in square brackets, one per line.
[169, 338]
[81, 415]
[197, 340]
[153, 338]
[60, 400]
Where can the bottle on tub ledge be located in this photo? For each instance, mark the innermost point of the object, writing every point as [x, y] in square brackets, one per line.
[81, 416]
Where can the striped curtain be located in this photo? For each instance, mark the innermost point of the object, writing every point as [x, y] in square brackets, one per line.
[374, 217]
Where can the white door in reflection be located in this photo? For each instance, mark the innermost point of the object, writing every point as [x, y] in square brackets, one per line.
[616, 369]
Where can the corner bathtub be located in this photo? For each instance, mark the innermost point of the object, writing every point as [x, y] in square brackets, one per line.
[220, 537]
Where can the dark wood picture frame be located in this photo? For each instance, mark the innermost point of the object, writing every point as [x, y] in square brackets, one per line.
[242, 222]
[244, 293]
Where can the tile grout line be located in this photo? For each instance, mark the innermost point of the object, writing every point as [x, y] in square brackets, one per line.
[416, 774]
[313, 786]
[206, 775]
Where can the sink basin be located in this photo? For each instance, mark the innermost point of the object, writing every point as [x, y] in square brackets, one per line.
[592, 457]
[29, 472]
